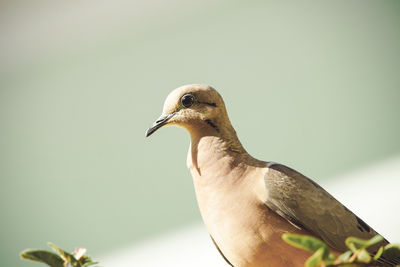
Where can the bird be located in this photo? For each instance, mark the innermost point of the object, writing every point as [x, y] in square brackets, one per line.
[246, 203]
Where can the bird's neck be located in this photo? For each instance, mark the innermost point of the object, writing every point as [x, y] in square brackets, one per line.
[217, 152]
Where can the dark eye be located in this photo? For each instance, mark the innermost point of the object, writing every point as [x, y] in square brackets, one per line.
[187, 100]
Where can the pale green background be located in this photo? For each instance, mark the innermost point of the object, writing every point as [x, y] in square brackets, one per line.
[312, 84]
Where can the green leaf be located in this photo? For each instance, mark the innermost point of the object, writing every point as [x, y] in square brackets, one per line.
[391, 251]
[373, 241]
[43, 256]
[330, 259]
[378, 254]
[306, 242]
[345, 256]
[354, 243]
[66, 256]
[315, 259]
[90, 263]
[87, 261]
[363, 256]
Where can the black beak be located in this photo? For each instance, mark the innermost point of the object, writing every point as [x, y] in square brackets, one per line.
[159, 123]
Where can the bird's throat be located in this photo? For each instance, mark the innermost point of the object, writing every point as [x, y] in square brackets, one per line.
[208, 151]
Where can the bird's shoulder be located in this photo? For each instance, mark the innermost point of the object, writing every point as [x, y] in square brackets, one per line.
[306, 204]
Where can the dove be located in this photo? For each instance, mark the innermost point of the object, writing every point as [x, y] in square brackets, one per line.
[246, 203]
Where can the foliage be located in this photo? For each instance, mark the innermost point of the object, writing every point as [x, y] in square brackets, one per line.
[62, 259]
[356, 256]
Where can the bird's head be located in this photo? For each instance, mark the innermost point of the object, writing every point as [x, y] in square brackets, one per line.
[195, 107]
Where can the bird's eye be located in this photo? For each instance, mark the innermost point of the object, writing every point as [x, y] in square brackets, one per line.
[187, 100]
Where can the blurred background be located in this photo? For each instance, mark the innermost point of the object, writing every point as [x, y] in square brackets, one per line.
[313, 84]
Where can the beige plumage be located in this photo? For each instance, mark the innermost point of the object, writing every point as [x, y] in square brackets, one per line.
[247, 204]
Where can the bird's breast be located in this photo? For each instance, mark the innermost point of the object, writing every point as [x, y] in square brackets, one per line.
[230, 195]
[245, 230]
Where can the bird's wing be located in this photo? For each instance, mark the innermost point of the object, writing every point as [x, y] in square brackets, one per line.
[307, 205]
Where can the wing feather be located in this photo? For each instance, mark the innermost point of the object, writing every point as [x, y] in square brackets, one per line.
[304, 203]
